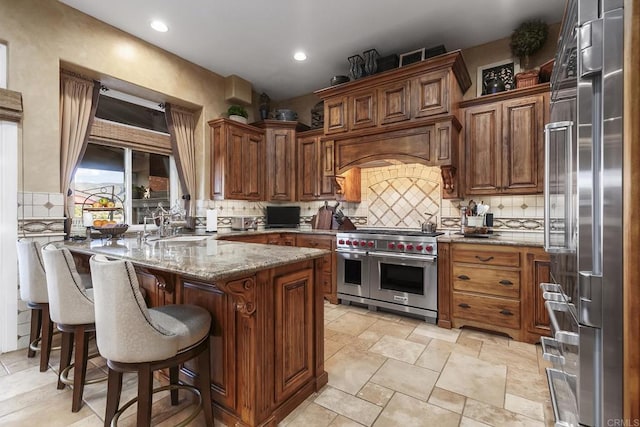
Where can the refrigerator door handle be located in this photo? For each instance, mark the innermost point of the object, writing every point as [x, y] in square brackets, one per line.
[590, 305]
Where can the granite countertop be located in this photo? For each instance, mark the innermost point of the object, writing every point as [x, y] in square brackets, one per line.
[496, 239]
[221, 233]
[205, 259]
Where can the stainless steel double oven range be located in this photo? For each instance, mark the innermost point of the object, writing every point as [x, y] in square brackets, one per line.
[391, 269]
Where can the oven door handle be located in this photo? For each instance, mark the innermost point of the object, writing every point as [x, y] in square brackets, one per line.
[423, 258]
[351, 252]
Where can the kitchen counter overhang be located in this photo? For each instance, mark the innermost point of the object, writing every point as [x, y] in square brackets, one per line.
[266, 302]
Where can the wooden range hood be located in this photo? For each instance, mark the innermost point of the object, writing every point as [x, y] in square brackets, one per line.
[409, 114]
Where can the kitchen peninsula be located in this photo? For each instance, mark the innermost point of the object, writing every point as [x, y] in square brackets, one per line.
[267, 337]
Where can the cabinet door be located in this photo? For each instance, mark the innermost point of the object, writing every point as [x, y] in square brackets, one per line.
[308, 164]
[430, 94]
[252, 165]
[159, 288]
[538, 271]
[234, 168]
[482, 149]
[335, 115]
[394, 102]
[294, 296]
[362, 110]
[326, 189]
[280, 174]
[522, 148]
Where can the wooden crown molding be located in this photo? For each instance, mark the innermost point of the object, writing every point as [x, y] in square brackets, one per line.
[10, 105]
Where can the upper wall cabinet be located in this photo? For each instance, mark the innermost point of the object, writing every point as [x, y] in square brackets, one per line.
[280, 167]
[237, 161]
[409, 114]
[504, 142]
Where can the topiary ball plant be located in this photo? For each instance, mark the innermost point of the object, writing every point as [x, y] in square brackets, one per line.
[237, 110]
[527, 39]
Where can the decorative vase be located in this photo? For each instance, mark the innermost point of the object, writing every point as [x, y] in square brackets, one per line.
[265, 102]
[355, 70]
[493, 85]
[370, 61]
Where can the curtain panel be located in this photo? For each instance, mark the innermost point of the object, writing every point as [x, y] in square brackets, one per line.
[78, 104]
[181, 124]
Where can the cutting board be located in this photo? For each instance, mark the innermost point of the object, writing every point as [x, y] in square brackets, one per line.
[324, 219]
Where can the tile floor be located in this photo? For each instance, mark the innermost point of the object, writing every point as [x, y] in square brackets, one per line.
[384, 370]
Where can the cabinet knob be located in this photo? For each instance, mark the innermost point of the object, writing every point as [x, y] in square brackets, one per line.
[505, 282]
[463, 277]
[464, 305]
[484, 259]
[506, 312]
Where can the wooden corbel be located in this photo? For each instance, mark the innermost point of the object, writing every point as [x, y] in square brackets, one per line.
[243, 292]
[448, 178]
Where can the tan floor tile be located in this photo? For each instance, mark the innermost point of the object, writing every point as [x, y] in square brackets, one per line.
[53, 411]
[331, 315]
[31, 397]
[525, 347]
[525, 383]
[350, 406]
[406, 411]
[24, 381]
[331, 347]
[447, 399]
[409, 379]
[470, 422]
[485, 336]
[375, 393]
[526, 407]
[393, 329]
[349, 370]
[433, 331]
[498, 417]
[437, 352]
[515, 357]
[341, 421]
[16, 361]
[313, 415]
[293, 414]
[91, 421]
[351, 323]
[3, 370]
[474, 378]
[473, 345]
[420, 339]
[399, 349]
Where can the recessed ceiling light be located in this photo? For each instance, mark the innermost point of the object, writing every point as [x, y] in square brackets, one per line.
[159, 26]
[300, 56]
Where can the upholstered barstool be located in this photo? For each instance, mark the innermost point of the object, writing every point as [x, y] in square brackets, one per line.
[71, 307]
[134, 338]
[33, 291]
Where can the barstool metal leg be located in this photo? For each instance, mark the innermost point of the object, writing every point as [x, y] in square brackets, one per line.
[47, 335]
[114, 390]
[65, 355]
[145, 394]
[34, 334]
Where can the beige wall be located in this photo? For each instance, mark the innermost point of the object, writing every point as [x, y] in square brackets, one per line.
[42, 34]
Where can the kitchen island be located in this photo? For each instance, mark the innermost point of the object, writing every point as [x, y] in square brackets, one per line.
[267, 337]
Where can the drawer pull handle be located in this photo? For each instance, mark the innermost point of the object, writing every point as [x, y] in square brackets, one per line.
[464, 305]
[463, 277]
[484, 259]
[506, 312]
[506, 282]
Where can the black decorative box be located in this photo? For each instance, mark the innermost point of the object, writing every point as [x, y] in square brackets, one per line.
[388, 62]
[434, 51]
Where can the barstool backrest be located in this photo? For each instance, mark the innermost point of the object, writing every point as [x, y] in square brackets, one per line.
[33, 282]
[68, 300]
[125, 329]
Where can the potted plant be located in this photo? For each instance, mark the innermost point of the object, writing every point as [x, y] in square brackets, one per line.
[527, 39]
[238, 113]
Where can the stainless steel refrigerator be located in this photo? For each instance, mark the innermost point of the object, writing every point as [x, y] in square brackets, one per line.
[583, 216]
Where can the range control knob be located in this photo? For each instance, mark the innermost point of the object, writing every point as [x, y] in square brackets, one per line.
[370, 244]
[341, 242]
[355, 243]
[419, 247]
[409, 247]
[429, 248]
[401, 246]
[391, 245]
[348, 242]
[363, 243]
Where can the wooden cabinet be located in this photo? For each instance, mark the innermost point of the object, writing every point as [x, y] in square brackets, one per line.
[538, 267]
[237, 161]
[504, 142]
[281, 239]
[430, 94]
[362, 109]
[329, 267]
[316, 175]
[494, 288]
[159, 287]
[395, 102]
[335, 115]
[280, 167]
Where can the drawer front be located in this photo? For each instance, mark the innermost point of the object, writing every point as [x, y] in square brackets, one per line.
[487, 256]
[490, 310]
[492, 281]
[327, 264]
[314, 242]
